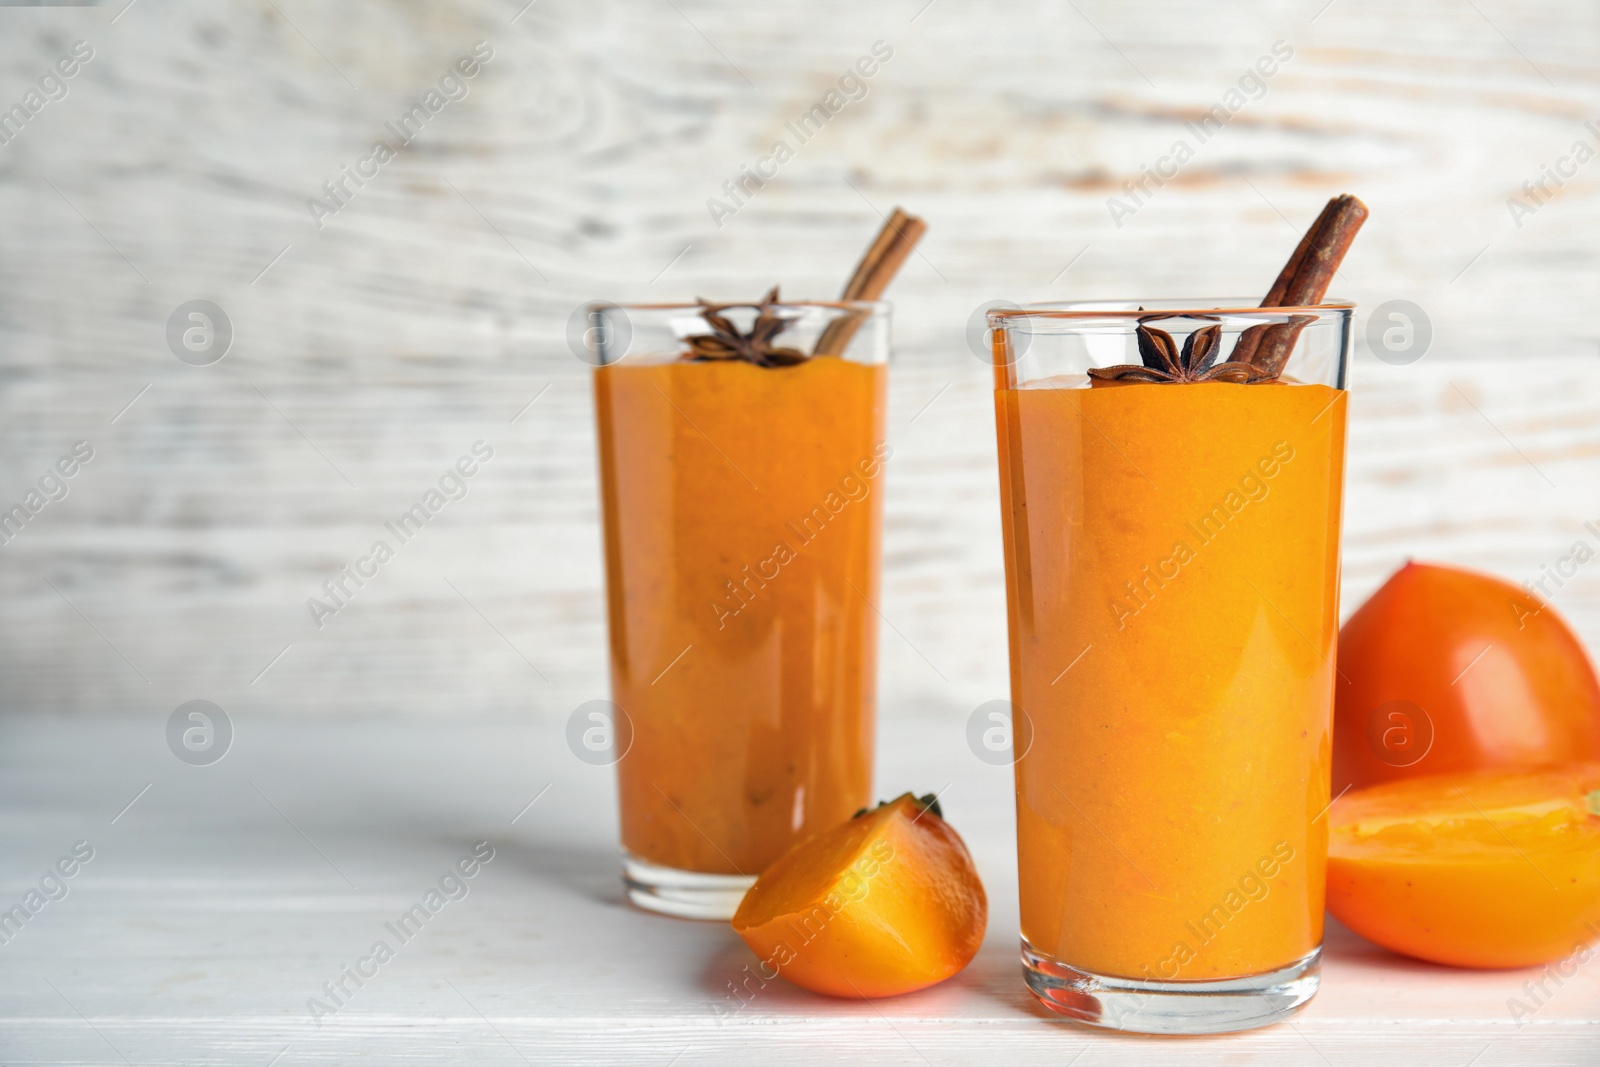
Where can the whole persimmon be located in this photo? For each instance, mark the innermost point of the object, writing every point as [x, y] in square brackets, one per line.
[887, 903]
[1446, 670]
[1482, 869]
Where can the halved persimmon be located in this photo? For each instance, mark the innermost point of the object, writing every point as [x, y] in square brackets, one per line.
[1484, 869]
[887, 903]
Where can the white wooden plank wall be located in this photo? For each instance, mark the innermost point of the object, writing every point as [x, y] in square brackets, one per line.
[432, 309]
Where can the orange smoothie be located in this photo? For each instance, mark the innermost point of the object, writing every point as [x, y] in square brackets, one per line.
[1172, 569]
[742, 509]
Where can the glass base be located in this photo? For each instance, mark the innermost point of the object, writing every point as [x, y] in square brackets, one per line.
[685, 894]
[1171, 1007]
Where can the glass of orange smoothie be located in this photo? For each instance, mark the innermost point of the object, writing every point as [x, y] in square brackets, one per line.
[1172, 567]
[742, 505]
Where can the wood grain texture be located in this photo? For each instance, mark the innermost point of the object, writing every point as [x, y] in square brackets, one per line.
[226, 895]
[427, 313]
[431, 312]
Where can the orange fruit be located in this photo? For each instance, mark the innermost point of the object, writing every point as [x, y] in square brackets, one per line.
[1444, 670]
[1483, 869]
[885, 904]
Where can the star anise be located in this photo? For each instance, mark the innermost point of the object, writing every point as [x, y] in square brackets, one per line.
[1163, 362]
[726, 341]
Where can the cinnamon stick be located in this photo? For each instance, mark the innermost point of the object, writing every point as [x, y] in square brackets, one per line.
[878, 266]
[1303, 282]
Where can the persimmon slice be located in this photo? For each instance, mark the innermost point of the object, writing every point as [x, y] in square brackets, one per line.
[887, 903]
[1482, 869]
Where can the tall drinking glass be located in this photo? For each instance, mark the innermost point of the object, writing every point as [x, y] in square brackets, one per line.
[1172, 567]
[743, 511]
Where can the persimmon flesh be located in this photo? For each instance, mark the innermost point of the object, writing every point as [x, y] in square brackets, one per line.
[1485, 869]
[887, 903]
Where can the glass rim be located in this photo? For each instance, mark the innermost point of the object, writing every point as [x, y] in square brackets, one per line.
[1092, 310]
[834, 305]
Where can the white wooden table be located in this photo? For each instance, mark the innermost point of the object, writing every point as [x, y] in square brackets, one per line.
[226, 895]
[430, 314]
